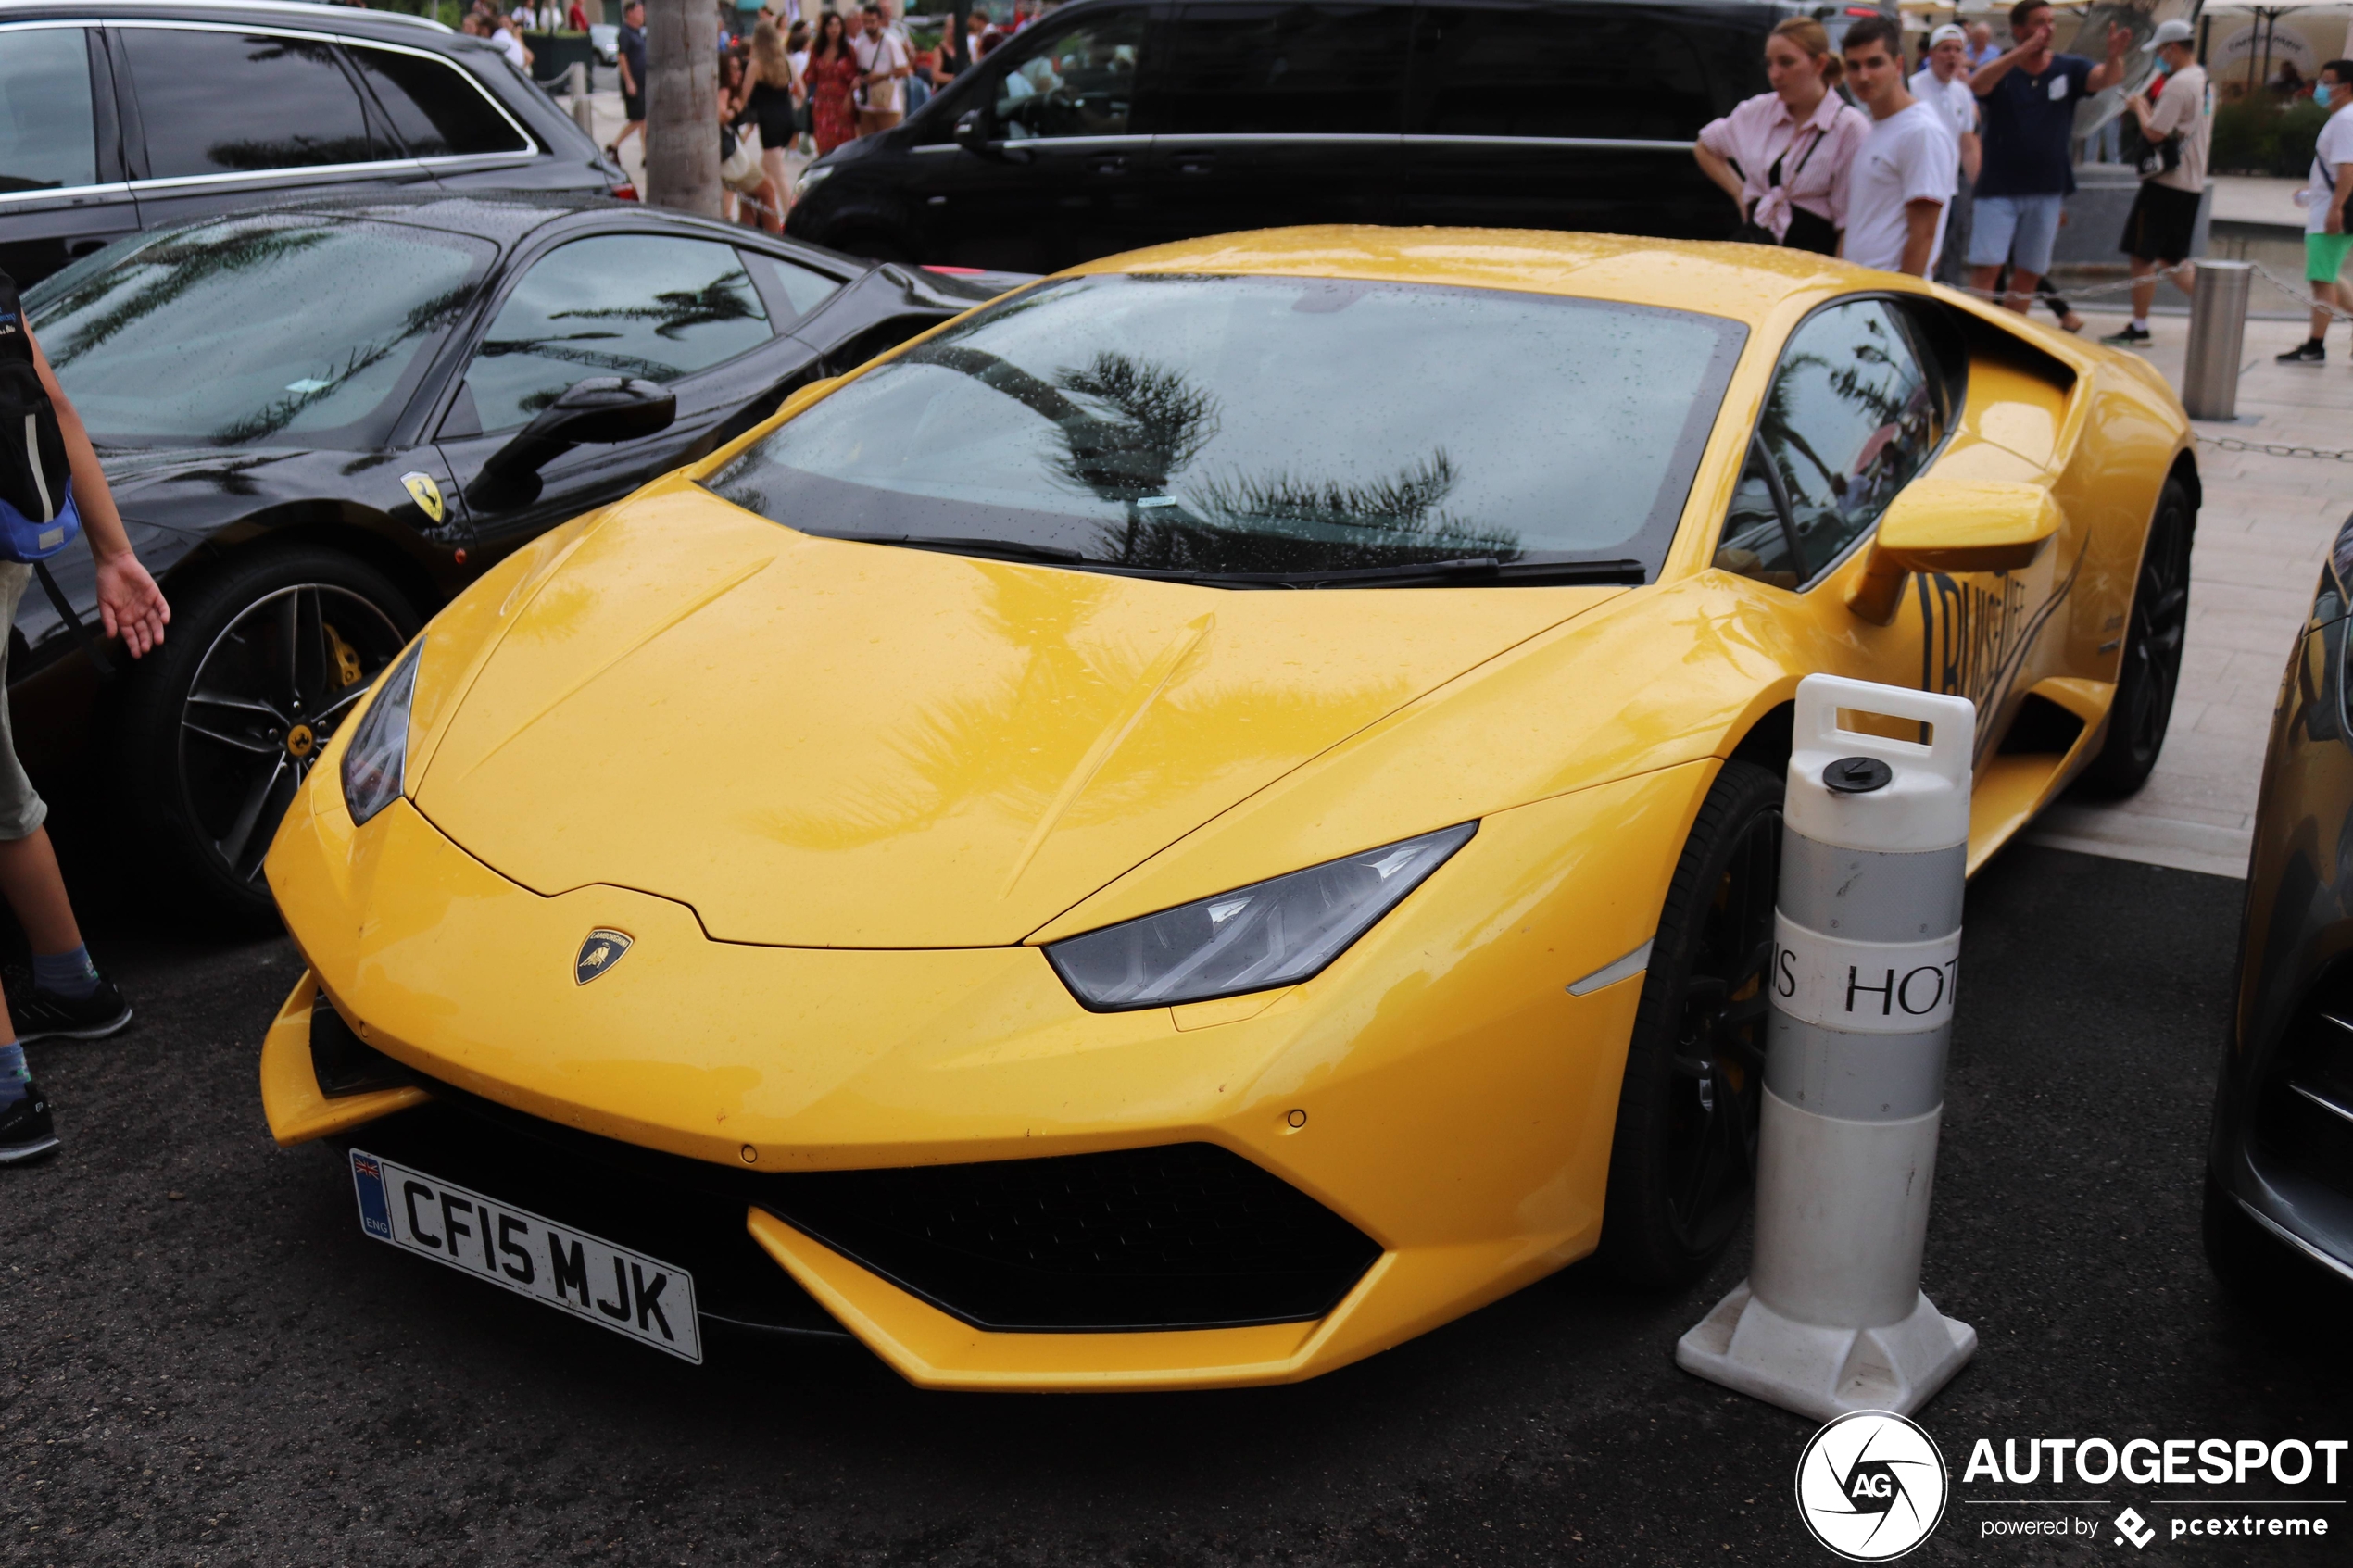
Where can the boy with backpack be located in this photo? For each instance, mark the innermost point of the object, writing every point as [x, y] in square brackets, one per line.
[51, 488]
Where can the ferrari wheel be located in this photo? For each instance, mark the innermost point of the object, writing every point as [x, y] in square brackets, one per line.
[265, 657]
[2152, 664]
[1685, 1153]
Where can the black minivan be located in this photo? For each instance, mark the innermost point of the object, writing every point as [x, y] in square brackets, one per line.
[1110, 124]
[118, 115]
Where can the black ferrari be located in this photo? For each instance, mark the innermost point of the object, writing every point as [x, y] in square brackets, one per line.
[321, 421]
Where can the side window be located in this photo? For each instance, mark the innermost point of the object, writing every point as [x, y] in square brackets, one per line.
[1273, 68]
[792, 291]
[1550, 70]
[228, 103]
[48, 132]
[435, 107]
[616, 305]
[1755, 541]
[1850, 419]
[1080, 84]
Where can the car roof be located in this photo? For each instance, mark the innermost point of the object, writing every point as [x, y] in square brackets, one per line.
[287, 13]
[508, 217]
[1743, 283]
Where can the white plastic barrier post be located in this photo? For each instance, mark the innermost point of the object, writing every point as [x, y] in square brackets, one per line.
[1867, 948]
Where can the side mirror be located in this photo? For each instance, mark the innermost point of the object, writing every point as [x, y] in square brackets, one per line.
[598, 411]
[1953, 525]
[972, 134]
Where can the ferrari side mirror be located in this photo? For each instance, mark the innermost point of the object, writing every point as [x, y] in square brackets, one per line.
[1953, 525]
[598, 411]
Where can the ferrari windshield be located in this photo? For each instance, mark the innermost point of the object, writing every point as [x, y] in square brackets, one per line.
[254, 329]
[1208, 426]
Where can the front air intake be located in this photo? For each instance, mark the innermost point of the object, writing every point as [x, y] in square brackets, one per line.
[1185, 1236]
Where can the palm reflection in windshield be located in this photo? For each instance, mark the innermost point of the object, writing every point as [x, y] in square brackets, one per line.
[1258, 425]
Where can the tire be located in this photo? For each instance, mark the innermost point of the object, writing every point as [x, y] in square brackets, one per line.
[1685, 1156]
[2152, 662]
[218, 729]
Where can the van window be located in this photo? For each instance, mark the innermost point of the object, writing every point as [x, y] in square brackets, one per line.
[1275, 69]
[435, 107]
[1081, 82]
[229, 102]
[47, 136]
[1501, 69]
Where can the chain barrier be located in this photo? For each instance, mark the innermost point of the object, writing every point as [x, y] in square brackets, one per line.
[2272, 449]
[2298, 296]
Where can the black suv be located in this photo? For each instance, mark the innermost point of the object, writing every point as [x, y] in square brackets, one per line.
[120, 116]
[1112, 124]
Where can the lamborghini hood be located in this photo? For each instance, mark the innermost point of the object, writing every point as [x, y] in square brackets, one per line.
[815, 743]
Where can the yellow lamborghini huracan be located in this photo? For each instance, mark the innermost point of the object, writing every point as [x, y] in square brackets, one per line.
[1206, 816]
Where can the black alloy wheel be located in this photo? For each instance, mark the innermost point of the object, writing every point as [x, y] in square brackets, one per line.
[263, 660]
[2151, 669]
[1685, 1158]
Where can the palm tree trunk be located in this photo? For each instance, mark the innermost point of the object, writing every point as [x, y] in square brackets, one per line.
[682, 105]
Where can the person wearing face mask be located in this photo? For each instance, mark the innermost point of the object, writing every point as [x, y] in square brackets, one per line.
[1782, 157]
[2177, 129]
[2328, 234]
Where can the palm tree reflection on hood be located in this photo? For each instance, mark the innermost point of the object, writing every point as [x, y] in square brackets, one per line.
[1128, 430]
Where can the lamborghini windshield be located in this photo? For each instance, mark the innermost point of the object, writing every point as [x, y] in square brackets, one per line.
[1269, 429]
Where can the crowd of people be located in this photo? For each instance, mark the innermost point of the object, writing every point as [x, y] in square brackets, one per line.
[1960, 170]
[792, 83]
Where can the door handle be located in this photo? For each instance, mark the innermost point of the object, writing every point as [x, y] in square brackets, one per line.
[1113, 163]
[1195, 163]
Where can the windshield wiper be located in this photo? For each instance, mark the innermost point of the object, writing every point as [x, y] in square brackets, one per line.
[1471, 572]
[998, 549]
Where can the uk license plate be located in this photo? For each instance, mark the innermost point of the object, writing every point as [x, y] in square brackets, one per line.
[651, 1302]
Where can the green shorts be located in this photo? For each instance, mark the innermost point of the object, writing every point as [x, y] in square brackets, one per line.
[2325, 257]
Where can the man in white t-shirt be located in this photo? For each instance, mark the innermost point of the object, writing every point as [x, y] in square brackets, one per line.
[884, 65]
[1901, 181]
[1944, 83]
[2328, 219]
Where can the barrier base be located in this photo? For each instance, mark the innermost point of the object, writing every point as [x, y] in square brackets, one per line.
[1825, 1373]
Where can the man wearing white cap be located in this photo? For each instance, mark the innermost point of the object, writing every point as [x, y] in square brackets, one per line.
[1942, 82]
[2177, 128]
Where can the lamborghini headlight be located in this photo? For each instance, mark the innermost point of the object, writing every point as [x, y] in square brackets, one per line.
[810, 178]
[1270, 934]
[376, 765]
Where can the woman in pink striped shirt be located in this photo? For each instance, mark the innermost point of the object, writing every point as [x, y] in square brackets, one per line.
[1782, 156]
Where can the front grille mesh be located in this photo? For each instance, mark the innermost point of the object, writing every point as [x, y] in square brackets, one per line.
[1185, 1236]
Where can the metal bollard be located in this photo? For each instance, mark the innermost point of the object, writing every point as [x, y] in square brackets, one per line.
[2218, 335]
[1867, 948]
[576, 89]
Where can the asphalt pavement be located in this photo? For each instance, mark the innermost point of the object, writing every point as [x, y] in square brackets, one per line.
[206, 1361]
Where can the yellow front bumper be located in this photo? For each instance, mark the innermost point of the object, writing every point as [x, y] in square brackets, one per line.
[1437, 1087]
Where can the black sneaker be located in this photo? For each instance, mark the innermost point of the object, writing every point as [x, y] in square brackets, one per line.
[26, 1132]
[44, 1015]
[2130, 337]
[2307, 353]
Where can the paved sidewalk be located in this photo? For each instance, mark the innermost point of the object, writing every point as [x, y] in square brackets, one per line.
[2262, 534]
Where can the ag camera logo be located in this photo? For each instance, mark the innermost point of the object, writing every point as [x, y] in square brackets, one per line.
[1871, 1486]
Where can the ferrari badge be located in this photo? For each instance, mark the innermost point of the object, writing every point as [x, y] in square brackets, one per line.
[425, 493]
[598, 953]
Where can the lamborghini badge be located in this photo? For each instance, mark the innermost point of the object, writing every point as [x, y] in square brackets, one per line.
[425, 493]
[598, 953]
